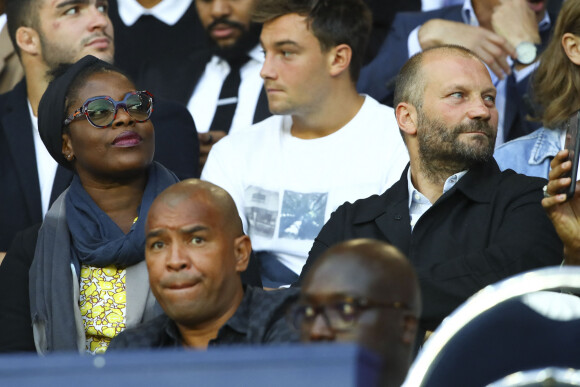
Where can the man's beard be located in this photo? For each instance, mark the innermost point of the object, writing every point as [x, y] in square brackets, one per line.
[248, 40]
[443, 154]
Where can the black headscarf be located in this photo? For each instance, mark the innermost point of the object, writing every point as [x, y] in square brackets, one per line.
[51, 110]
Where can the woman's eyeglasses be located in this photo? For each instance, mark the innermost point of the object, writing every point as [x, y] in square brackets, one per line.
[102, 111]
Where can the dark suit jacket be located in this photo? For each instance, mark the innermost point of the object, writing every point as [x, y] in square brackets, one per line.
[489, 226]
[176, 147]
[150, 40]
[377, 79]
[184, 77]
[15, 319]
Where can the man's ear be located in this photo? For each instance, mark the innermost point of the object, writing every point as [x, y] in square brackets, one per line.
[571, 45]
[339, 58]
[407, 118]
[242, 251]
[410, 325]
[28, 40]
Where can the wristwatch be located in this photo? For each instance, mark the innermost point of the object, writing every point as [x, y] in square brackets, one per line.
[526, 53]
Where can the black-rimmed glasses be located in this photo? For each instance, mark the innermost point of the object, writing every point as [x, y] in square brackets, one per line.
[340, 315]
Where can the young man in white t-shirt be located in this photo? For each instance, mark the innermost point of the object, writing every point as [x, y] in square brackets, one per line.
[326, 144]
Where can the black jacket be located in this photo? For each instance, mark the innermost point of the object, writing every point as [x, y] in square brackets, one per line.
[489, 226]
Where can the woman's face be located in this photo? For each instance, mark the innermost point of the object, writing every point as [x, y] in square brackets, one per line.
[123, 149]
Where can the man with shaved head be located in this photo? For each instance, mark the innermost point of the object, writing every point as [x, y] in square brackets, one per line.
[195, 251]
[461, 222]
[364, 291]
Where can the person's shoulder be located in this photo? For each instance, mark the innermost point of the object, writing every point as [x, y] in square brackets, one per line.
[273, 298]
[529, 154]
[366, 209]
[379, 115]
[15, 99]
[144, 335]
[420, 17]
[267, 314]
[512, 181]
[254, 136]
[541, 134]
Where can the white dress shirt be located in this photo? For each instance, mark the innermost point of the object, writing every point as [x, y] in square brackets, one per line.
[418, 203]
[45, 164]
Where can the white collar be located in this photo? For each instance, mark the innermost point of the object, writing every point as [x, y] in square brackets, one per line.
[449, 183]
[168, 11]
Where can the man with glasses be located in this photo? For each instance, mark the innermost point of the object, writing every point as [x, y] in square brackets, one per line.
[363, 291]
[195, 252]
[46, 34]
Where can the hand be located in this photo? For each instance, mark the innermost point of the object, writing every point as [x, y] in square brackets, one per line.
[565, 215]
[516, 22]
[206, 141]
[491, 47]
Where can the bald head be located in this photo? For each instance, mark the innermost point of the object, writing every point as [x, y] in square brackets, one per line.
[364, 291]
[195, 251]
[179, 194]
[411, 81]
[382, 273]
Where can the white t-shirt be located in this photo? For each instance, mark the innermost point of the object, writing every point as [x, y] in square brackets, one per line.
[285, 187]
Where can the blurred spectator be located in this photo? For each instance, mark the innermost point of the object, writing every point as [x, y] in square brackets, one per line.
[149, 31]
[10, 68]
[220, 85]
[556, 84]
[379, 310]
[383, 15]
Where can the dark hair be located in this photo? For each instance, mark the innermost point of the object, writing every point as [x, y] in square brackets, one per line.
[20, 13]
[556, 82]
[333, 22]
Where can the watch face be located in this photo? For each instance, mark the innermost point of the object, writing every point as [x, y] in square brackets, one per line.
[526, 52]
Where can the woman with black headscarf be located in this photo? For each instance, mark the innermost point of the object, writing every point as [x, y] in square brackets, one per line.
[88, 280]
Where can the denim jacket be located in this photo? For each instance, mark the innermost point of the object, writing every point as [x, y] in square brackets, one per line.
[530, 155]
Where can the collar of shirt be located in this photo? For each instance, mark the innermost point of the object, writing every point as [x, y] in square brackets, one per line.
[2, 21]
[418, 199]
[168, 11]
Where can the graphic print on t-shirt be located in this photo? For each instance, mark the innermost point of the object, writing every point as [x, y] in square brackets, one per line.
[261, 211]
[301, 216]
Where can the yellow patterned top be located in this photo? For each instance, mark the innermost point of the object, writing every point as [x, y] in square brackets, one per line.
[103, 305]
